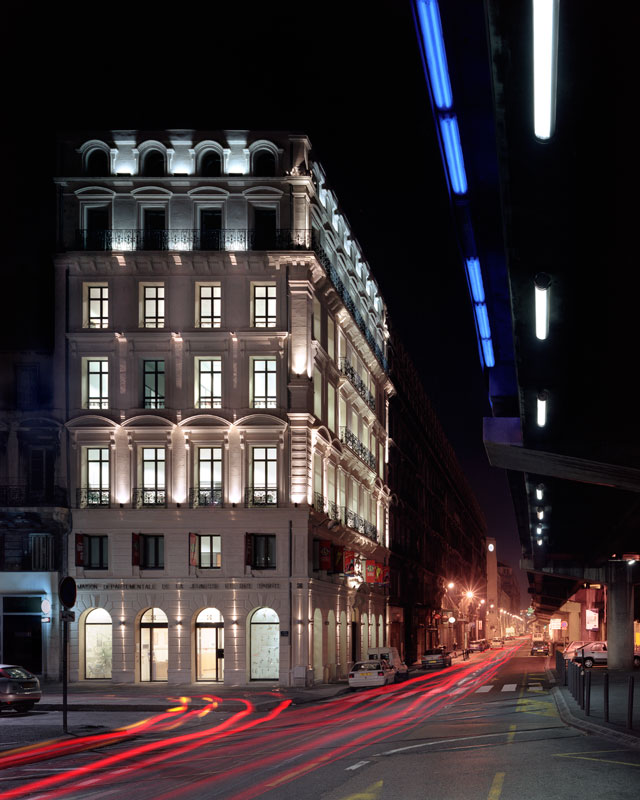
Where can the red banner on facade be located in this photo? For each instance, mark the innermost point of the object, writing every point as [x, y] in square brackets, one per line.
[338, 558]
[349, 562]
[325, 554]
[386, 576]
[193, 550]
[371, 571]
[379, 568]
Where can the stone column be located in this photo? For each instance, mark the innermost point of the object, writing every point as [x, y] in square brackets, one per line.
[619, 616]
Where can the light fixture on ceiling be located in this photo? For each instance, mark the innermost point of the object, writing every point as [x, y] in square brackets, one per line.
[542, 282]
[541, 410]
[429, 16]
[545, 66]
[539, 491]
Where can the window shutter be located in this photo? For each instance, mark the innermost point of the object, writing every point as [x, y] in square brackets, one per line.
[79, 550]
[135, 549]
[193, 550]
[248, 549]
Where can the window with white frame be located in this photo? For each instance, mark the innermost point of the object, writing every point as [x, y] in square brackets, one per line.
[331, 406]
[208, 305]
[153, 468]
[264, 382]
[96, 392]
[317, 393]
[96, 305]
[264, 305]
[317, 319]
[209, 475]
[154, 383]
[152, 305]
[96, 492]
[331, 338]
[208, 383]
[264, 477]
[209, 552]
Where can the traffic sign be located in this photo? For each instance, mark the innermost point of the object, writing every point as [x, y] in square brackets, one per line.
[67, 591]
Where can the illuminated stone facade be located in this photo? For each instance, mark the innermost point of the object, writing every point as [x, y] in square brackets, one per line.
[220, 363]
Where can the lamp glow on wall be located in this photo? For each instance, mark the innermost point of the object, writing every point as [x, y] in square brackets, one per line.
[542, 282]
[545, 66]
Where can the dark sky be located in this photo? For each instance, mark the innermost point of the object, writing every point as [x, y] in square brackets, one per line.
[347, 74]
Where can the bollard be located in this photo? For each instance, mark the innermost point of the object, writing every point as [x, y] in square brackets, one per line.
[605, 690]
[587, 693]
[630, 704]
[581, 687]
[572, 681]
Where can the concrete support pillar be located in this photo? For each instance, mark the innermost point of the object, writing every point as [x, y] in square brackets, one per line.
[619, 617]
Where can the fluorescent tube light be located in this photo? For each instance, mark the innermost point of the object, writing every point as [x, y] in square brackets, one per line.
[542, 282]
[545, 66]
[540, 512]
[429, 16]
[487, 351]
[539, 491]
[539, 542]
[453, 154]
[542, 408]
[483, 320]
[475, 280]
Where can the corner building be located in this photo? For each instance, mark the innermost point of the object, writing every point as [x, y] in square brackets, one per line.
[220, 363]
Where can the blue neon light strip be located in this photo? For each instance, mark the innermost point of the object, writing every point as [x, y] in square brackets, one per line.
[475, 280]
[487, 351]
[483, 320]
[429, 16]
[453, 154]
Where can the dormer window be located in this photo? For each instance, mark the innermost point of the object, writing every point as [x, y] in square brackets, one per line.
[153, 165]
[211, 165]
[97, 165]
[264, 164]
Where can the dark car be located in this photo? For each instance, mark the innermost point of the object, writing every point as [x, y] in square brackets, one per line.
[540, 649]
[19, 688]
[436, 658]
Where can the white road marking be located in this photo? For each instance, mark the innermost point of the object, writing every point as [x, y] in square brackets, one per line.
[486, 688]
[509, 687]
[358, 765]
[535, 687]
[448, 741]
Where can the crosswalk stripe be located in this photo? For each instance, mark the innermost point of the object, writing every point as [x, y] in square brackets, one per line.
[486, 688]
[509, 687]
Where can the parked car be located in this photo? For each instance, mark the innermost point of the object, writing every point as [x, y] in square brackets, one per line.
[570, 650]
[391, 655]
[496, 643]
[371, 673]
[438, 657]
[478, 645]
[539, 648]
[595, 654]
[19, 688]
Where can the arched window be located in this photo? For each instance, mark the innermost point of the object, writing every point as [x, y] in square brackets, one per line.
[153, 164]
[154, 645]
[264, 645]
[97, 644]
[264, 164]
[209, 645]
[211, 165]
[97, 164]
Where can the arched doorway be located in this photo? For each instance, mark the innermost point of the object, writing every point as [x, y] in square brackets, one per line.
[97, 644]
[154, 645]
[209, 645]
[264, 645]
[318, 664]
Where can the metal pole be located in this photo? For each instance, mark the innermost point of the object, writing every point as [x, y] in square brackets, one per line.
[587, 700]
[606, 696]
[65, 635]
[581, 687]
[630, 704]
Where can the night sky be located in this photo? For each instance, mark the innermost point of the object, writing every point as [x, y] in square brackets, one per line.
[346, 74]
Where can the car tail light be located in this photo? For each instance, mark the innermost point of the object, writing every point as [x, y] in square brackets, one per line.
[381, 674]
[351, 675]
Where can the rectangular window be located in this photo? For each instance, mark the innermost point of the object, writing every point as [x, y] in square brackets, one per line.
[97, 306]
[152, 306]
[97, 488]
[317, 319]
[151, 552]
[209, 311]
[208, 383]
[209, 466]
[331, 406]
[209, 552]
[153, 384]
[264, 306]
[264, 383]
[331, 338]
[317, 393]
[261, 551]
[153, 492]
[96, 552]
[97, 386]
[264, 477]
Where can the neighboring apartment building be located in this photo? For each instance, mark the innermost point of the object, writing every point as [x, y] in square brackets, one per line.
[221, 375]
[438, 531]
[34, 514]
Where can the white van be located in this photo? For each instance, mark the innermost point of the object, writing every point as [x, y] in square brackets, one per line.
[391, 655]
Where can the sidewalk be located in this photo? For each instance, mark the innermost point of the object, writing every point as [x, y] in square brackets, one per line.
[616, 728]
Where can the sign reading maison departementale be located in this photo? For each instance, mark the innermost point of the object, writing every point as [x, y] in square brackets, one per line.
[142, 586]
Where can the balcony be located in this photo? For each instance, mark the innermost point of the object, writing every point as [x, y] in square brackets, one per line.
[205, 497]
[149, 498]
[261, 497]
[27, 552]
[231, 239]
[357, 523]
[24, 496]
[358, 384]
[355, 445]
[93, 498]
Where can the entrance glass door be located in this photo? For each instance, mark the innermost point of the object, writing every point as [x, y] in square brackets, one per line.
[154, 645]
[209, 645]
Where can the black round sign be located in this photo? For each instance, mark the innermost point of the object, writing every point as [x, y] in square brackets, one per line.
[67, 592]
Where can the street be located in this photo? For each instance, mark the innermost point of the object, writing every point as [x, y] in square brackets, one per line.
[485, 729]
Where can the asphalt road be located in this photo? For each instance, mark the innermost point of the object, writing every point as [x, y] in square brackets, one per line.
[485, 730]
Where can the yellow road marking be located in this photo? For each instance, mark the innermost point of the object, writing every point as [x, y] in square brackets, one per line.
[591, 752]
[370, 793]
[511, 734]
[496, 787]
[604, 761]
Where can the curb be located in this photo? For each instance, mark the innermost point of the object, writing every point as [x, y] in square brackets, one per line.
[590, 727]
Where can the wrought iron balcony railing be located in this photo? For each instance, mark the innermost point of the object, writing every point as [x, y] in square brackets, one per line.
[260, 496]
[319, 502]
[125, 239]
[357, 523]
[358, 384]
[355, 445]
[93, 498]
[149, 498]
[205, 497]
[14, 496]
